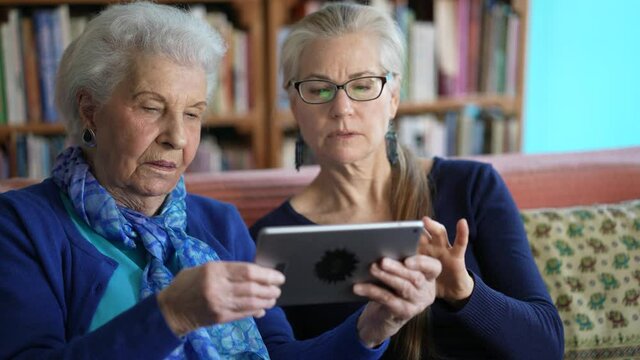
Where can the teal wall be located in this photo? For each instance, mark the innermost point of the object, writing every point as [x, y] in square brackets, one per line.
[582, 87]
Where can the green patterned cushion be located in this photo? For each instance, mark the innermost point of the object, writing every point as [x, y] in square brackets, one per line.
[590, 260]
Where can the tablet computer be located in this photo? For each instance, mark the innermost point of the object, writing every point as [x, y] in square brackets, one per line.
[322, 262]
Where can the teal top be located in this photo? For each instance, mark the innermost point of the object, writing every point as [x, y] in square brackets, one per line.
[123, 289]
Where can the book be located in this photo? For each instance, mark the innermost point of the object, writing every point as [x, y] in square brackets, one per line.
[13, 69]
[31, 75]
[3, 99]
[474, 46]
[241, 71]
[512, 48]
[451, 132]
[423, 76]
[47, 61]
[463, 19]
[446, 47]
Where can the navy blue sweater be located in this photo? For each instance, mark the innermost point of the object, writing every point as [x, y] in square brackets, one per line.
[509, 314]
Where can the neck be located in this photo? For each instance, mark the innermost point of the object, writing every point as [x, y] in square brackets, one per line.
[348, 193]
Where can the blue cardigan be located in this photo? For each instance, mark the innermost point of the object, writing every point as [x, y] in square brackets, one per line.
[509, 314]
[52, 279]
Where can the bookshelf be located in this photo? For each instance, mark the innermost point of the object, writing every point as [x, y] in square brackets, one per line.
[509, 102]
[264, 127]
[244, 120]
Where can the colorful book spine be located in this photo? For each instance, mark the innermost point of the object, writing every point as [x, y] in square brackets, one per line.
[47, 62]
[31, 76]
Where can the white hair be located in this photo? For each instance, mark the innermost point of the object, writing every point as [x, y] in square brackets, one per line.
[99, 59]
[338, 19]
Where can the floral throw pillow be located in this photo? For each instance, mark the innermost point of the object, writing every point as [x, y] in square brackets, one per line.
[589, 258]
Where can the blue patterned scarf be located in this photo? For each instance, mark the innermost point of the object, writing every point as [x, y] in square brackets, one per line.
[163, 237]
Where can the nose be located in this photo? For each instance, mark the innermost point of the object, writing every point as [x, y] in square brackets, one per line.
[173, 133]
[341, 105]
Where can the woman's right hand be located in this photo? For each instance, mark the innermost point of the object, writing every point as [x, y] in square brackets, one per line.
[218, 292]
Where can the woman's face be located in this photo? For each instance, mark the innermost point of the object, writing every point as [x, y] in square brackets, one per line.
[344, 131]
[147, 133]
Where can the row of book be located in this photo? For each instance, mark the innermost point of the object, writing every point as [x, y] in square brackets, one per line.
[459, 47]
[33, 41]
[35, 156]
[470, 131]
[476, 46]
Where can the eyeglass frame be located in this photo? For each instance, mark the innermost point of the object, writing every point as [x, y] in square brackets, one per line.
[386, 78]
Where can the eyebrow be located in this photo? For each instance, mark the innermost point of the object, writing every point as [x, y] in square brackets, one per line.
[156, 95]
[351, 76]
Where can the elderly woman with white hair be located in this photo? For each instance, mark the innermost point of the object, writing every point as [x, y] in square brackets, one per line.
[110, 257]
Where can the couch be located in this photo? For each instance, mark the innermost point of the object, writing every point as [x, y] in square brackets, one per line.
[581, 211]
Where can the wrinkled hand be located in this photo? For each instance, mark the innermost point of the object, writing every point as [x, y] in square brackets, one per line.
[454, 285]
[218, 292]
[410, 289]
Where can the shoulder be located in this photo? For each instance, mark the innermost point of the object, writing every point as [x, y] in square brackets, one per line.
[32, 200]
[463, 172]
[220, 225]
[280, 216]
[450, 166]
[211, 212]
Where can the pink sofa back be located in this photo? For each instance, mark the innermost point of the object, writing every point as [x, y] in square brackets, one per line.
[545, 180]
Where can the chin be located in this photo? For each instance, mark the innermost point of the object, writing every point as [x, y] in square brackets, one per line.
[158, 187]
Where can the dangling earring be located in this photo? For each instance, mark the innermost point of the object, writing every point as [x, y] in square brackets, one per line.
[299, 151]
[89, 137]
[392, 144]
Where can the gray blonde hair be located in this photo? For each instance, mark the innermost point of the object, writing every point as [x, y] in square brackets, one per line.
[99, 59]
[338, 19]
[408, 175]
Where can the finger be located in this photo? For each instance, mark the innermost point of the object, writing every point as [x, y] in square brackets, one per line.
[241, 315]
[247, 304]
[428, 266]
[254, 289]
[243, 271]
[404, 282]
[437, 231]
[396, 305]
[462, 237]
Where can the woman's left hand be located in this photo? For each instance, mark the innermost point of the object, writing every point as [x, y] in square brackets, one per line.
[410, 288]
[454, 285]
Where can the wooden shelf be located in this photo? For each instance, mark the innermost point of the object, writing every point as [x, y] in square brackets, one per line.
[35, 128]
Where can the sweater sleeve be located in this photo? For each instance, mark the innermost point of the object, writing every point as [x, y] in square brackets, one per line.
[48, 309]
[509, 310]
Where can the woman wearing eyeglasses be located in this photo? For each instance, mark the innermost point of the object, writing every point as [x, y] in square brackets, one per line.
[342, 69]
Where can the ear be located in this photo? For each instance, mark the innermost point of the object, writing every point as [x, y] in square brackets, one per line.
[86, 108]
[395, 101]
[395, 96]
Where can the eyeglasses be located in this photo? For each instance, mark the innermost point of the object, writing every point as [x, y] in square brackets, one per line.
[364, 88]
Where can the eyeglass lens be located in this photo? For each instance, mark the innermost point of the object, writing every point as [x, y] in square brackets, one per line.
[321, 91]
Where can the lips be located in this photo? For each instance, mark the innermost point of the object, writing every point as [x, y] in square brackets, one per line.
[163, 164]
[342, 133]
